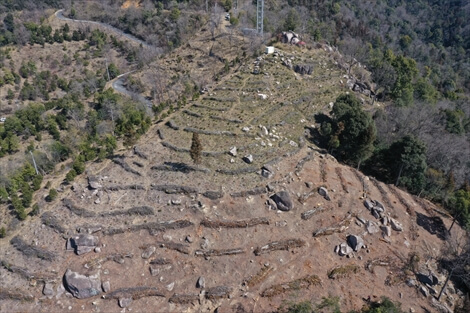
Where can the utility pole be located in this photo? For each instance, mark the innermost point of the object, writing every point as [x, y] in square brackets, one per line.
[259, 16]
[34, 162]
[107, 70]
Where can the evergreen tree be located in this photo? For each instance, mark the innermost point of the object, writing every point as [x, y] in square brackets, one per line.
[196, 149]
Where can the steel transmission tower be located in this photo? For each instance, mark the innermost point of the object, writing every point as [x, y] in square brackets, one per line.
[259, 16]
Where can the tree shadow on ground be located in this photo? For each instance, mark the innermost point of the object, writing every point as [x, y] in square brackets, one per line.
[434, 225]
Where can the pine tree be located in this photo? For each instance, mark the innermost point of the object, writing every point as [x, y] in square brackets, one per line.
[196, 149]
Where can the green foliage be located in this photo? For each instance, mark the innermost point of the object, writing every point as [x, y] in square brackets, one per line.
[384, 306]
[3, 232]
[113, 71]
[404, 163]
[52, 195]
[71, 175]
[27, 69]
[352, 131]
[36, 210]
[301, 307]
[291, 21]
[78, 166]
[456, 121]
[175, 14]
[196, 149]
[459, 206]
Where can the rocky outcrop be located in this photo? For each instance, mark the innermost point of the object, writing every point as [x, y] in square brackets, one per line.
[303, 69]
[283, 201]
[82, 243]
[82, 286]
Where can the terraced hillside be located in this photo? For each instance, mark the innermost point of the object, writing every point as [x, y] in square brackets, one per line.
[151, 231]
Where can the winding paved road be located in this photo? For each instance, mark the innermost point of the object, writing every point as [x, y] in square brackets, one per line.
[60, 15]
[117, 83]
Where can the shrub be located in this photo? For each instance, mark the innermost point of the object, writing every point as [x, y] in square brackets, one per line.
[52, 195]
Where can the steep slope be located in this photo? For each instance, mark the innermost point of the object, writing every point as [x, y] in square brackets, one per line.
[151, 223]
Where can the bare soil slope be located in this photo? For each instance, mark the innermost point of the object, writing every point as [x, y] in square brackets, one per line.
[162, 222]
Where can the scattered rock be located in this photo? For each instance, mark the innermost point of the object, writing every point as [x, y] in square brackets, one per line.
[386, 230]
[48, 290]
[424, 291]
[201, 283]
[303, 69]
[427, 278]
[283, 201]
[248, 158]
[372, 227]
[93, 182]
[170, 286]
[82, 243]
[233, 151]
[148, 252]
[396, 225]
[410, 282]
[344, 249]
[267, 171]
[82, 286]
[189, 239]
[124, 302]
[106, 286]
[368, 204]
[324, 193]
[355, 242]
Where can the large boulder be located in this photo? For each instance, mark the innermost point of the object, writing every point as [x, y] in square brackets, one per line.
[303, 69]
[82, 243]
[82, 286]
[368, 204]
[283, 201]
[355, 242]
[93, 182]
[344, 249]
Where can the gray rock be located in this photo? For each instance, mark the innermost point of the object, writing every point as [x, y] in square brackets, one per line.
[124, 302]
[424, 291]
[82, 286]
[380, 206]
[344, 249]
[148, 252]
[248, 159]
[372, 227]
[267, 171]
[375, 213]
[283, 201]
[170, 286]
[189, 239]
[386, 230]
[355, 242]
[201, 283]
[410, 282]
[324, 193]
[106, 286]
[154, 271]
[48, 290]
[303, 69]
[368, 204]
[427, 278]
[82, 243]
[93, 182]
[396, 225]
[361, 219]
